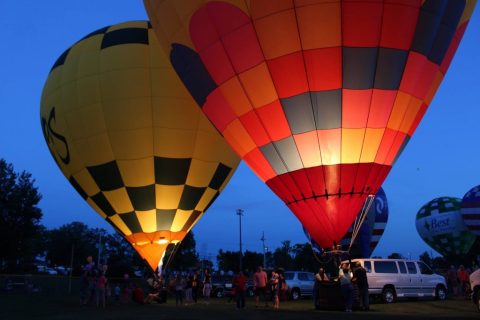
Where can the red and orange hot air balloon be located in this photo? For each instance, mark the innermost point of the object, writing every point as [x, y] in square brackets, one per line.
[318, 97]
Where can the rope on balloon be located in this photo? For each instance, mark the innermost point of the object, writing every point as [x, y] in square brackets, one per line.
[360, 218]
[172, 254]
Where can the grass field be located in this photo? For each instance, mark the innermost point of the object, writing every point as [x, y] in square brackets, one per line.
[23, 306]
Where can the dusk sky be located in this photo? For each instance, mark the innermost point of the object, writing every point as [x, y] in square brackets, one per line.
[442, 158]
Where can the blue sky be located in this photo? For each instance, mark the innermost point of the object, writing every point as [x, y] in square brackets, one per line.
[441, 159]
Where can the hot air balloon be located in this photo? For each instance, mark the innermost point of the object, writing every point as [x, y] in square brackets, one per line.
[380, 220]
[470, 210]
[128, 136]
[440, 224]
[319, 98]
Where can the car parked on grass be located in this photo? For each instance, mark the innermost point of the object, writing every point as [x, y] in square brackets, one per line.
[299, 284]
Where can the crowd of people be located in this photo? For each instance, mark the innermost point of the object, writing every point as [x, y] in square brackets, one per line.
[458, 281]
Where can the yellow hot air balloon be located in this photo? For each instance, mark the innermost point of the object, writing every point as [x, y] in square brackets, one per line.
[130, 139]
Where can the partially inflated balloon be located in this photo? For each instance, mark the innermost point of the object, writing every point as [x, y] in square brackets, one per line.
[380, 219]
[471, 210]
[129, 138]
[318, 97]
[441, 226]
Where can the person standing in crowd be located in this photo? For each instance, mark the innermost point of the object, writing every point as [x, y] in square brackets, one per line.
[207, 285]
[345, 277]
[274, 283]
[195, 285]
[452, 281]
[126, 289]
[320, 277]
[188, 289]
[239, 282]
[87, 281]
[463, 278]
[179, 284]
[260, 286]
[360, 277]
[100, 286]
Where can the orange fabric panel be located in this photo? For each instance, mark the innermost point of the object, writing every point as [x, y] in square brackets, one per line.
[385, 145]
[258, 85]
[434, 87]
[380, 108]
[410, 114]
[418, 118]
[257, 162]
[233, 92]
[330, 144]
[418, 75]
[253, 125]
[313, 20]
[355, 108]
[152, 253]
[352, 141]
[395, 149]
[274, 120]
[398, 112]
[278, 34]
[238, 138]
[309, 149]
[373, 137]
[259, 9]
[324, 68]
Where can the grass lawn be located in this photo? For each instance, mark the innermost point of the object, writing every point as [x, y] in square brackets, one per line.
[23, 306]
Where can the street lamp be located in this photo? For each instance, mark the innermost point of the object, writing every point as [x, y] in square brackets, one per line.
[264, 248]
[240, 214]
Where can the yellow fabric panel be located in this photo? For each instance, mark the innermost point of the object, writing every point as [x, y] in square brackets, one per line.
[119, 200]
[86, 181]
[165, 83]
[433, 89]
[93, 120]
[330, 145]
[70, 67]
[467, 13]
[410, 114]
[261, 9]
[126, 56]
[233, 92]
[132, 144]
[52, 86]
[168, 20]
[181, 217]
[96, 150]
[398, 111]
[278, 34]
[174, 143]
[148, 220]
[201, 173]
[238, 138]
[129, 24]
[210, 147]
[308, 148]
[118, 222]
[168, 117]
[168, 197]
[258, 85]
[76, 162]
[204, 125]
[127, 114]
[352, 141]
[89, 87]
[373, 137]
[157, 58]
[114, 86]
[88, 61]
[137, 172]
[313, 21]
[96, 208]
[69, 100]
[206, 199]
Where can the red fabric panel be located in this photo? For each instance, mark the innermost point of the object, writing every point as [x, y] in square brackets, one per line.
[457, 37]
[347, 177]
[274, 120]
[254, 127]
[288, 74]
[303, 182]
[396, 145]
[281, 190]
[202, 30]
[418, 75]
[363, 171]
[382, 175]
[385, 145]
[361, 23]
[355, 108]
[217, 63]
[324, 68]
[257, 162]
[418, 118]
[226, 17]
[332, 178]
[317, 180]
[398, 25]
[374, 180]
[218, 111]
[243, 48]
[380, 108]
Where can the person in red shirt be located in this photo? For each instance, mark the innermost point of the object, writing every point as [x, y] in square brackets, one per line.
[463, 278]
[260, 286]
[239, 282]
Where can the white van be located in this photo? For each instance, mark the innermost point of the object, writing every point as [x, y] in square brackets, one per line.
[397, 278]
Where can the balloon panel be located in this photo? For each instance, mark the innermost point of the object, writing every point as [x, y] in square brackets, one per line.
[320, 116]
[471, 210]
[440, 225]
[129, 138]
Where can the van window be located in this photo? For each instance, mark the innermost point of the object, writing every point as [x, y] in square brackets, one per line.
[411, 268]
[424, 269]
[368, 266]
[402, 267]
[385, 267]
[310, 277]
[288, 276]
[302, 276]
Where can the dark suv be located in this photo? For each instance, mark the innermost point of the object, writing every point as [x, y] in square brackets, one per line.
[222, 286]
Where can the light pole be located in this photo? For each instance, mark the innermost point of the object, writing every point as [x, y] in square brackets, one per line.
[264, 248]
[240, 214]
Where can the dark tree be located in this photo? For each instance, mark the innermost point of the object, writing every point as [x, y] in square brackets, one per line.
[228, 260]
[304, 258]
[186, 256]
[425, 257]
[120, 256]
[251, 260]
[282, 256]
[395, 255]
[20, 227]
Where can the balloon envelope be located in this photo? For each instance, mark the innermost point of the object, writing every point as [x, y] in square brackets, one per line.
[130, 139]
[471, 210]
[440, 224]
[318, 97]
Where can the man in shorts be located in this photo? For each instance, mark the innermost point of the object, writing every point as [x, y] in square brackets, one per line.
[260, 286]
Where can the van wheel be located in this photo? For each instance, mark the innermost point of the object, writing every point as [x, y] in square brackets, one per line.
[388, 295]
[440, 293]
[295, 294]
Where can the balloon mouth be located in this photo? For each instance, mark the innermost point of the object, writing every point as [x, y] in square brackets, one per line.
[161, 241]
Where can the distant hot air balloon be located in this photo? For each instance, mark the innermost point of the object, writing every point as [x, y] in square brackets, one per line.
[128, 136]
[440, 224]
[470, 210]
[380, 220]
[318, 97]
